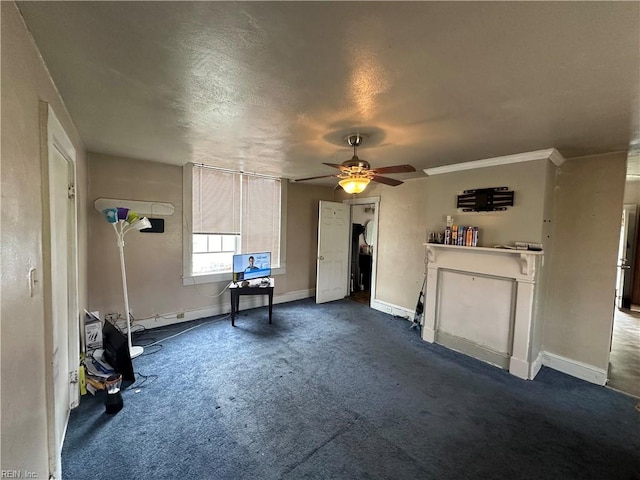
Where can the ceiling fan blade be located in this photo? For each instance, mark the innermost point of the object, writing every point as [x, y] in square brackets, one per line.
[313, 178]
[395, 169]
[335, 165]
[386, 180]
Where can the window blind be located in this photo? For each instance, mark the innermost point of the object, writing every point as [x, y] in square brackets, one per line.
[216, 201]
[235, 203]
[261, 216]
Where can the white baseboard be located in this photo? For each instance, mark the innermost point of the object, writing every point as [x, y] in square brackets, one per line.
[428, 334]
[536, 365]
[164, 319]
[519, 368]
[472, 349]
[392, 309]
[574, 368]
[293, 296]
[246, 303]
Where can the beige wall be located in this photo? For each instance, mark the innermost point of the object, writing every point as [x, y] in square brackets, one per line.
[302, 236]
[579, 307]
[25, 82]
[548, 236]
[632, 192]
[522, 222]
[154, 261]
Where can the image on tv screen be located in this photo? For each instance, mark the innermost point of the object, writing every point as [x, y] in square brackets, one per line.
[251, 265]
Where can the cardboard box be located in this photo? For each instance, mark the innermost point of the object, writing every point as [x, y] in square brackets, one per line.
[92, 332]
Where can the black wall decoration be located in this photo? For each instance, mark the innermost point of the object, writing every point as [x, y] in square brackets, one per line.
[157, 226]
[486, 199]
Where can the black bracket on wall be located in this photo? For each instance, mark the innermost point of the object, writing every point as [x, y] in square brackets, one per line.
[486, 199]
[157, 226]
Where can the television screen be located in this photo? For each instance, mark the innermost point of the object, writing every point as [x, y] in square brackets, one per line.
[251, 265]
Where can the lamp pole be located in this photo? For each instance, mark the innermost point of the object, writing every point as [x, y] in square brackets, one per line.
[134, 351]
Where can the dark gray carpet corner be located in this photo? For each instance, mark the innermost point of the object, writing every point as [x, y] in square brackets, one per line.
[341, 391]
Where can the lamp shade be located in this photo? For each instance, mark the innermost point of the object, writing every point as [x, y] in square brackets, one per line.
[122, 213]
[354, 184]
[132, 217]
[141, 223]
[110, 215]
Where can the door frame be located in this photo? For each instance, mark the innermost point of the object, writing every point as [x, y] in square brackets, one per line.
[626, 252]
[375, 201]
[53, 137]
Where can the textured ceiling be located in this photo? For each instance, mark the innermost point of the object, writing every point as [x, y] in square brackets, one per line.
[274, 87]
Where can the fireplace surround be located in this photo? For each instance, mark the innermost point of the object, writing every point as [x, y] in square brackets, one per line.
[480, 301]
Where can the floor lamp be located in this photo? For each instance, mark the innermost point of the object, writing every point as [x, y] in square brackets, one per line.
[123, 221]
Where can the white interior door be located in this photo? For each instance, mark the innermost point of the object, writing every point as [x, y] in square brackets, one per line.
[334, 225]
[59, 181]
[621, 265]
[63, 342]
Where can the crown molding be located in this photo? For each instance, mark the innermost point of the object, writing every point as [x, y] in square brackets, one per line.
[550, 153]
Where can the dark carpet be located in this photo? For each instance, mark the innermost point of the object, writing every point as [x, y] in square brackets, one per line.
[341, 391]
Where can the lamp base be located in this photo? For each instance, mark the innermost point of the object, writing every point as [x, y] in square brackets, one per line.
[113, 403]
[135, 351]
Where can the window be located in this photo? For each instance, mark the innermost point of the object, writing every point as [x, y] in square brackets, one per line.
[213, 253]
[227, 213]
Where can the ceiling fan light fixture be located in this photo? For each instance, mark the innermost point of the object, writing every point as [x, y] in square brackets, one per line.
[354, 185]
[355, 174]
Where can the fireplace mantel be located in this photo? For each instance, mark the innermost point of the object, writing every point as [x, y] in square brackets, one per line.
[526, 258]
[480, 301]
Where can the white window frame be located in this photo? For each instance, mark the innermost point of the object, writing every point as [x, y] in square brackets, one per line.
[187, 234]
[236, 246]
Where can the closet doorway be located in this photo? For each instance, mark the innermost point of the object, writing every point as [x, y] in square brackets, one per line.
[363, 248]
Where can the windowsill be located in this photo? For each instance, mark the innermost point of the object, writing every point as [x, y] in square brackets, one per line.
[220, 277]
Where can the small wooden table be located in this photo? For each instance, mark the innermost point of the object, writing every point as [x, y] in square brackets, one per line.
[237, 289]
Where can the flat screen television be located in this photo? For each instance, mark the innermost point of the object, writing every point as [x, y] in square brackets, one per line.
[248, 266]
[116, 352]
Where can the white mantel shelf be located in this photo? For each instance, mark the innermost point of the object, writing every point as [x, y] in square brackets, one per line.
[482, 298]
[485, 249]
[526, 258]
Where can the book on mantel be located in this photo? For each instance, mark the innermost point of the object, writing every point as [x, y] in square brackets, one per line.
[536, 247]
